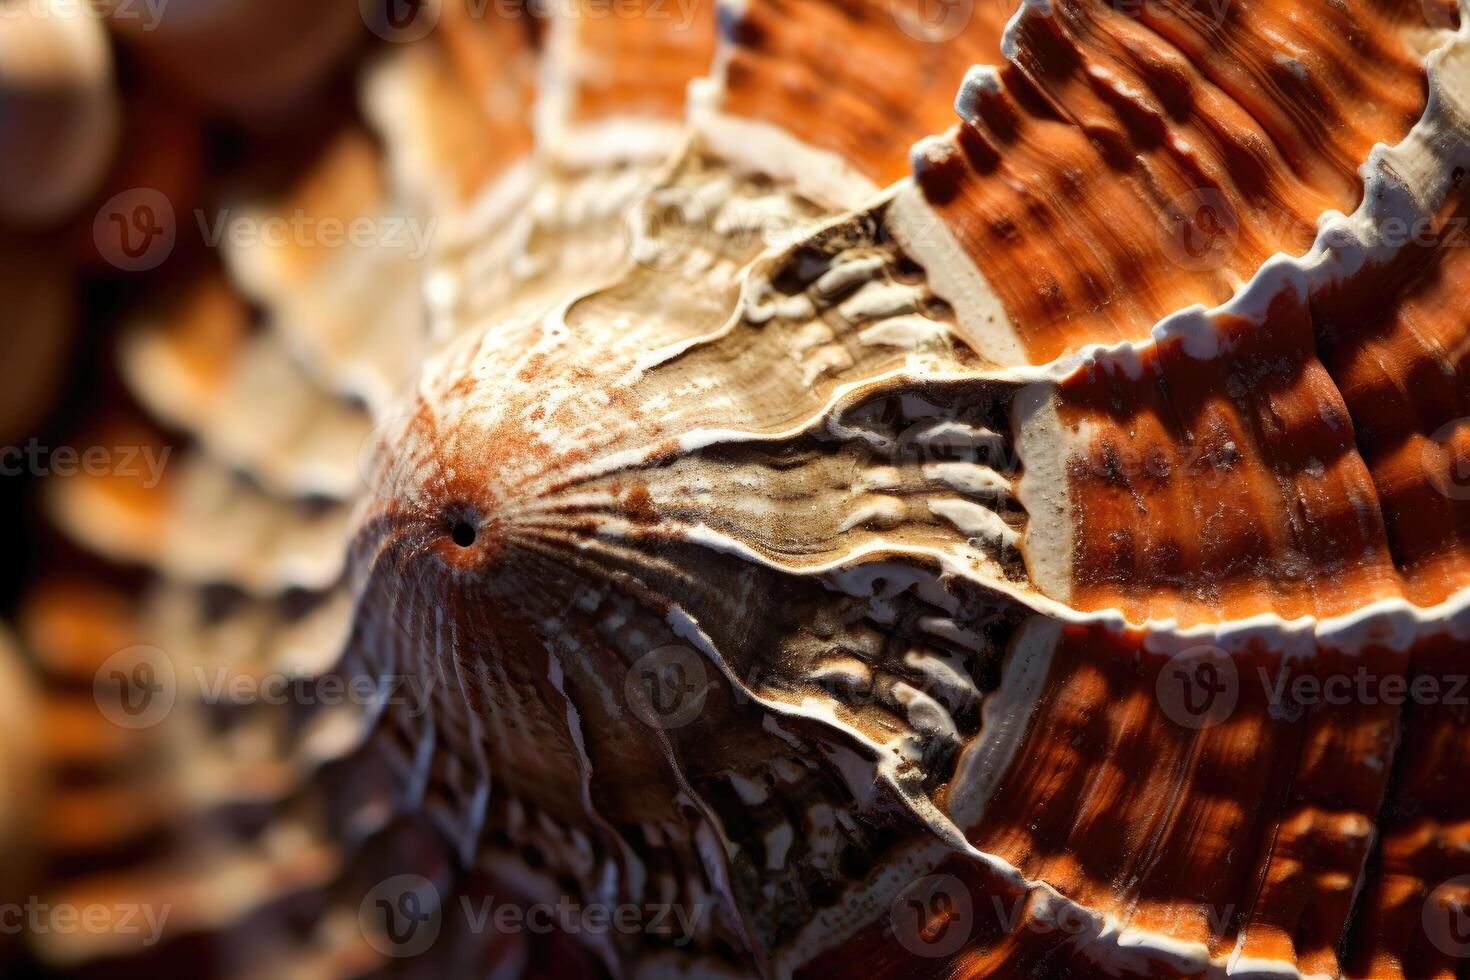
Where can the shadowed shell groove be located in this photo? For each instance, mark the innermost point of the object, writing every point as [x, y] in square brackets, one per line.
[859, 480]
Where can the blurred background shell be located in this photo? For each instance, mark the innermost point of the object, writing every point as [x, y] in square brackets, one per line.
[248, 59]
[941, 382]
[23, 766]
[59, 110]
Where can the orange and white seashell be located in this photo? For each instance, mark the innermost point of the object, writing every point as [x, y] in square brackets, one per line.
[894, 491]
[59, 118]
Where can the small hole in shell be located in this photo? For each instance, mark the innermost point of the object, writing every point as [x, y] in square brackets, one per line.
[463, 533]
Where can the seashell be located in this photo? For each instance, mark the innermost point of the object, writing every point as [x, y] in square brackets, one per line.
[160, 161]
[39, 286]
[24, 769]
[972, 497]
[58, 110]
[248, 59]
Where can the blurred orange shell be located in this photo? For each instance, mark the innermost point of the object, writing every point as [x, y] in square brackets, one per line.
[58, 109]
